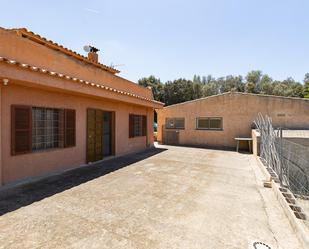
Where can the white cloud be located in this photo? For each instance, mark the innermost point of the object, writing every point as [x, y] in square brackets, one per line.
[92, 10]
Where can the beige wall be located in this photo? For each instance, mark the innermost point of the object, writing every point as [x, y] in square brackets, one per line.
[37, 163]
[238, 111]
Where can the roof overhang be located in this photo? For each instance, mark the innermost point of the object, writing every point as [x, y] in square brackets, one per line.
[43, 78]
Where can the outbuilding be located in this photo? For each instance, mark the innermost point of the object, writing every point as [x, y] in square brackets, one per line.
[216, 121]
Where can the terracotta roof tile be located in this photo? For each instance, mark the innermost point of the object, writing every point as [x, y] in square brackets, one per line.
[53, 45]
[74, 79]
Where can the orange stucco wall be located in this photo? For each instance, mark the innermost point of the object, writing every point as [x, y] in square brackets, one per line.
[238, 112]
[38, 163]
[33, 88]
[24, 50]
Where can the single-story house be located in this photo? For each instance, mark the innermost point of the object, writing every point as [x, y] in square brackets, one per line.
[60, 109]
[216, 121]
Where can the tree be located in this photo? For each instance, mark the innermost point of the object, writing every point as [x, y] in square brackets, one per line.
[266, 85]
[253, 79]
[204, 80]
[306, 86]
[297, 90]
[293, 88]
[197, 79]
[278, 89]
[210, 89]
[250, 87]
[197, 90]
[232, 83]
[156, 86]
[178, 91]
[181, 90]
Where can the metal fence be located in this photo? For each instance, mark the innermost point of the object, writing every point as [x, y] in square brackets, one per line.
[287, 160]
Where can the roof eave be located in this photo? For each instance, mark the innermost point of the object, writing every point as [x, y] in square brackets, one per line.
[53, 45]
[152, 102]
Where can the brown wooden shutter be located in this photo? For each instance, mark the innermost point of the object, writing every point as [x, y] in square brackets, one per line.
[21, 129]
[144, 125]
[131, 125]
[113, 124]
[69, 128]
[61, 128]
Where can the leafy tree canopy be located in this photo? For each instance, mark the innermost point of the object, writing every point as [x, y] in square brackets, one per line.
[181, 90]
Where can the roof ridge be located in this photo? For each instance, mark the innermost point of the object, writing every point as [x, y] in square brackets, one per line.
[54, 45]
[242, 93]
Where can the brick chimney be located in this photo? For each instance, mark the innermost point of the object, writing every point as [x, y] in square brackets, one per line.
[92, 54]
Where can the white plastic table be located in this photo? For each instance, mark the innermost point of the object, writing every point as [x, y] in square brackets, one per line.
[249, 139]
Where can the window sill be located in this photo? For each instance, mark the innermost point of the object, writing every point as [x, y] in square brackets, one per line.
[42, 151]
[174, 128]
[200, 129]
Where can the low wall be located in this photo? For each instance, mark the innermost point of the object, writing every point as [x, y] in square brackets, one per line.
[300, 227]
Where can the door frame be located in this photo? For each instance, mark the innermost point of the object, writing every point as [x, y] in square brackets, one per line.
[113, 131]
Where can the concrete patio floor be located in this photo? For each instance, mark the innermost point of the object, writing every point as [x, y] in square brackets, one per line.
[170, 197]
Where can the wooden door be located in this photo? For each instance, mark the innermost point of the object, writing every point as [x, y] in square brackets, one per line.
[170, 137]
[107, 133]
[94, 135]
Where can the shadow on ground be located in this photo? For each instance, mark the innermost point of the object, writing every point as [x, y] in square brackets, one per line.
[26, 194]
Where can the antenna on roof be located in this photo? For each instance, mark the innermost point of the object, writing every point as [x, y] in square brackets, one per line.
[88, 48]
[118, 65]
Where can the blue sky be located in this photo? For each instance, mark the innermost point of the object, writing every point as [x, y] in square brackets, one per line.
[172, 39]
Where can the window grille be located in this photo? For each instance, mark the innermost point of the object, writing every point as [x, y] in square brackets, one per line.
[46, 130]
[137, 125]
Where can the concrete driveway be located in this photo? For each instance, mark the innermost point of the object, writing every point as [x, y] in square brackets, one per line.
[171, 197]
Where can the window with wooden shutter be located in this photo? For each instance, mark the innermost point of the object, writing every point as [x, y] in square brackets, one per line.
[21, 129]
[137, 125]
[40, 128]
[69, 128]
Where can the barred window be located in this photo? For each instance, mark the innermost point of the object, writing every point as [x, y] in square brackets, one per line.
[137, 125]
[47, 128]
[175, 123]
[209, 123]
[37, 128]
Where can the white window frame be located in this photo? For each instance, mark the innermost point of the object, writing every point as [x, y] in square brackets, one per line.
[209, 118]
